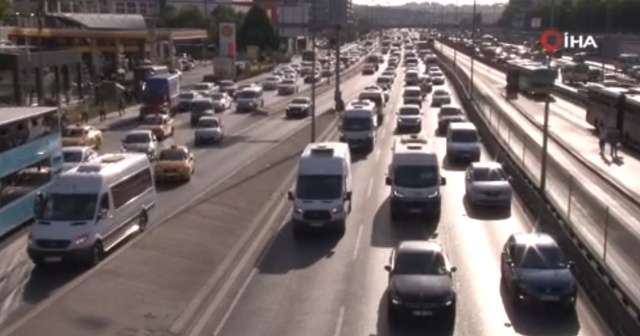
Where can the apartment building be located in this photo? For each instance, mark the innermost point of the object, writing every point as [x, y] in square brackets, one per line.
[147, 8]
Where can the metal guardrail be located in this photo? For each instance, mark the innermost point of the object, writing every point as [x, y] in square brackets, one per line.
[573, 200]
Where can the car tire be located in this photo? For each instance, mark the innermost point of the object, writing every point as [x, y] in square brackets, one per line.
[392, 318]
[341, 228]
[298, 233]
[97, 254]
[143, 220]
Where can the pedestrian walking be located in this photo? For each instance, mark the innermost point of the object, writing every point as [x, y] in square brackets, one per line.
[103, 115]
[602, 138]
[614, 142]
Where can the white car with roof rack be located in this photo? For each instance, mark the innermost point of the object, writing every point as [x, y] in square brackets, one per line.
[74, 156]
[91, 209]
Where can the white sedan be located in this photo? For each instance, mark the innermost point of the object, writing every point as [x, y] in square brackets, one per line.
[221, 101]
[487, 184]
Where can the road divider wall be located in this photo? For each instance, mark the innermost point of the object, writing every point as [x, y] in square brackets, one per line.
[518, 151]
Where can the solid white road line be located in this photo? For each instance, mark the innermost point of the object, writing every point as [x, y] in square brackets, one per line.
[370, 187]
[357, 246]
[338, 329]
[232, 307]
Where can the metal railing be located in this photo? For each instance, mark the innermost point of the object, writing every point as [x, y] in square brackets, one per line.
[605, 229]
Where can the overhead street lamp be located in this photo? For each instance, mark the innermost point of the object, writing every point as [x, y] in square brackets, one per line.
[607, 31]
[456, 30]
[545, 125]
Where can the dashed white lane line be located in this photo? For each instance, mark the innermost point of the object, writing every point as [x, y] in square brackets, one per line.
[338, 329]
[370, 187]
[357, 245]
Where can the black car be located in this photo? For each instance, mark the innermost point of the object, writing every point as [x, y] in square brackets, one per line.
[535, 271]
[312, 78]
[420, 283]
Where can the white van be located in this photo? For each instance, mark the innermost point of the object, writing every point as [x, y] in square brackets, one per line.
[463, 142]
[90, 209]
[322, 194]
[249, 99]
[414, 178]
[359, 124]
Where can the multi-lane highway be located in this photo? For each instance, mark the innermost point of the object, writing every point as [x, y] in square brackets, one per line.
[61, 306]
[608, 220]
[334, 287]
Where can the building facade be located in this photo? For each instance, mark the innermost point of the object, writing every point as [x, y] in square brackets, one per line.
[146, 8]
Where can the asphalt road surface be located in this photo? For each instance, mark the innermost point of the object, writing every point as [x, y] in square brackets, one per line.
[48, 303]
[330, 287]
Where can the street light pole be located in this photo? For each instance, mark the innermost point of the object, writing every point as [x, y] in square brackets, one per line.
[313, 72]
[607, 30]
[473, 52]
[338, 93]
[456, 34]
[545, 125]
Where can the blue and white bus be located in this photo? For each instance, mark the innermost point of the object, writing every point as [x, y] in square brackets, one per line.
[30, 158]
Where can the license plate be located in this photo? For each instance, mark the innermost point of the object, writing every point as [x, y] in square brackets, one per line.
[422, 313]
[53, 259]
[415, 211]
[317, 224]
[549, 298]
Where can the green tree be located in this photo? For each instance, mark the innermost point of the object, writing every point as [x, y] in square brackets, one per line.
[184, 17]
[6, 10]
[257, 30]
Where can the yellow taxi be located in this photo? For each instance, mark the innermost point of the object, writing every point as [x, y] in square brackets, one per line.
[176, 163]
[82, 135]
[160, 124]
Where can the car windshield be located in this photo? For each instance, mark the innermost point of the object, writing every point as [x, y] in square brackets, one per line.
[356, 124]
[137, 138]
[70, 207]
[409, 111]
[247, 94]
[449, 112]
[489, 174]
[411, 75]
[208, 123]
[300, 101]
[187, 95]
[72, 157]
[441, 93]
[288, 82]
[217, 96]
[383, 80]
[319, 187]
[415, 176]
[376, 98]
[202, 87]
[420, 263]
[464, 136]
[272, 79]
[539, 257]
[172, 155]
[152, 120]
[73, 132]
[226, 83]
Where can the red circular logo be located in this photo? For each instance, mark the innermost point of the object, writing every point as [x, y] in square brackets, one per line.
[551, 35]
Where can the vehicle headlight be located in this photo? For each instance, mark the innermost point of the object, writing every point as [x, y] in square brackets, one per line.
[434, 194]
[297, 210]
[395, 298]
[337, 210]
[81, 239]
[397, 194]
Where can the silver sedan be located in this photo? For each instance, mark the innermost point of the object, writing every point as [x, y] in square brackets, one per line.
[487, 184]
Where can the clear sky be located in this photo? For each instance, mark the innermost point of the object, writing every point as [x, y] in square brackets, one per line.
[447, 2]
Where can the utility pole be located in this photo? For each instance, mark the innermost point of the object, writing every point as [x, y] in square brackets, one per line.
[338, 93]
[456, 29]
[545, 125]
[313, 72]
[607, 32]
[473, 55]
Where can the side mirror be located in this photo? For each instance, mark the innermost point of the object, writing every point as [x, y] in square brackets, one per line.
[453, 269]
[347, 196]
[290, 196]
[571, 264]
[387, 180]
[443, 181]
[508, 262]
[104, 213]
[387, 268]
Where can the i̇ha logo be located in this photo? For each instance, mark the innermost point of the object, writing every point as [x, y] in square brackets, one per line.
[552, 40]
